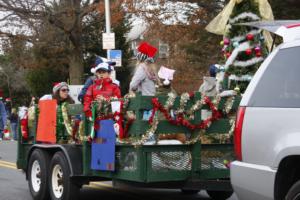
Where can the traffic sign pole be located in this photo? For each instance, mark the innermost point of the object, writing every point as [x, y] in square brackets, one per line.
[108, 29]
[107, 21]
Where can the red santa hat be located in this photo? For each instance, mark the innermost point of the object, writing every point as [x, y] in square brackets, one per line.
[146, 52]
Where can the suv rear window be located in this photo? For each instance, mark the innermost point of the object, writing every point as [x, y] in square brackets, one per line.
[280, 84]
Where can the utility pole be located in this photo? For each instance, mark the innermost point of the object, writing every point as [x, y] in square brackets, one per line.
[107, 22]
[107, 16]
[108, 29]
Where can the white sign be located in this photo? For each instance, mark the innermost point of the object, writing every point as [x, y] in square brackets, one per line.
[108, 40]
[74, 92]
[116, 106]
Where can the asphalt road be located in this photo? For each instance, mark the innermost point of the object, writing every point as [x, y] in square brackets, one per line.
[13, 185]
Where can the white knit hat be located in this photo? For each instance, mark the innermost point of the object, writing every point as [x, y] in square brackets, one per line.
[104, 66]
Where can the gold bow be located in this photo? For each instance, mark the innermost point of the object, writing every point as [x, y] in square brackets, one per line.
[218, 24]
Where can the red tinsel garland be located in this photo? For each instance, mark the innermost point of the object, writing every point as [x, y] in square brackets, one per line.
[179, 120]
[127, 126]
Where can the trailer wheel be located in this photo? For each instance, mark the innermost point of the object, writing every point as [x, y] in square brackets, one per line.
[189, 192]
[61, 186]
[219, 195]
[37, 172]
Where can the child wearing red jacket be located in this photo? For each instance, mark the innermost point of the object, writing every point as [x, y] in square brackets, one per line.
[103, 86]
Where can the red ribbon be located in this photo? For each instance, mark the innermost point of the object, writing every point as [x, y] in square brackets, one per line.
[179, 120]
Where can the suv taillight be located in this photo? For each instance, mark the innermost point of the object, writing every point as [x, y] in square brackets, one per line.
[238, 132]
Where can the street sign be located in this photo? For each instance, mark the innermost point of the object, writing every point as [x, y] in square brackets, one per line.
[108, 40]
[116, 56]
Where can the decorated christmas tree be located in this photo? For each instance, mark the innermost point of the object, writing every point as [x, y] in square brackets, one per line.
[244, 47]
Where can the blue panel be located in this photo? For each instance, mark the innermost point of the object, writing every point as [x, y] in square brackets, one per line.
[103, 147]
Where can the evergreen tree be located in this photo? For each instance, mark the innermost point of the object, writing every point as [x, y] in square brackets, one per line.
[244, 48]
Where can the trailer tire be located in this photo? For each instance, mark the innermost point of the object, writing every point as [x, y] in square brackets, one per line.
[189, 192]
[61, 186]
[37, 172]
[219, 195]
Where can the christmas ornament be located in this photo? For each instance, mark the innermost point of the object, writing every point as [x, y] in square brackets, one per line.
[250, 36]
[222, 43]
[226, 41]
[228, 54]
[257, 49]
[226, 163]
[248, 52]
[258, 54]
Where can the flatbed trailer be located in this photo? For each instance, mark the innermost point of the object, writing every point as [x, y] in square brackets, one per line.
[59, 169]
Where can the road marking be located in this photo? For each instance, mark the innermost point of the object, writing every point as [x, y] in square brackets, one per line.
[7, 166]
[95, 185]
[7, 163]
[102, 184]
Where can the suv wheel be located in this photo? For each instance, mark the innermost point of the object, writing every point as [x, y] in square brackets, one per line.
[294, 192]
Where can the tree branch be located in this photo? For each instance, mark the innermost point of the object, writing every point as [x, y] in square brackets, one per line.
[18, 36]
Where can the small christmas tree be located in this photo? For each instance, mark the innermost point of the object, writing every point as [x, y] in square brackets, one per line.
[243, 46]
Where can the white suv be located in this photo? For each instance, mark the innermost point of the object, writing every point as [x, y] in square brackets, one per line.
[267, 132]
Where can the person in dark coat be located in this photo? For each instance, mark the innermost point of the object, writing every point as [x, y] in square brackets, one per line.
[13, 118]
[3, 118]
[8, 106]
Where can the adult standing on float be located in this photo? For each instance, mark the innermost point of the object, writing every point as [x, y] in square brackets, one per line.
[145, 76]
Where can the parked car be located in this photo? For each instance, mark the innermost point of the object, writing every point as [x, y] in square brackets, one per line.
[267, 132]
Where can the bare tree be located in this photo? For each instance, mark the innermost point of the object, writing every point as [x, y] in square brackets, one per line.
[67, 15]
